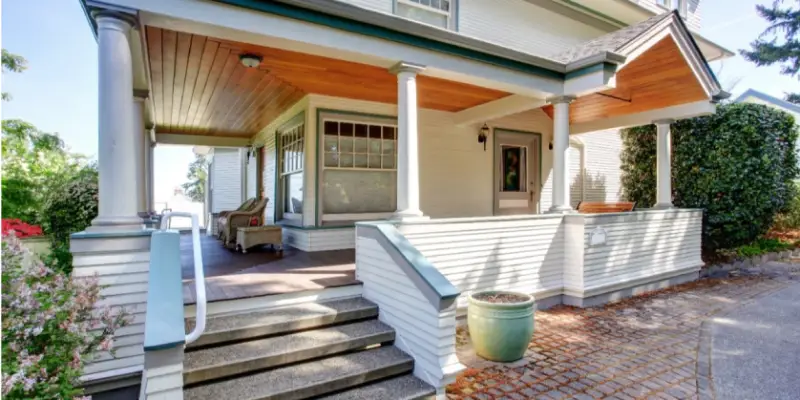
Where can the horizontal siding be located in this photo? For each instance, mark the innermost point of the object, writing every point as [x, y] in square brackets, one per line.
[124, 275]
[602, 173]
[226, 185]
[333, 239]
[522, 26]
[523, 255]
[424, 332]
[270, 158]
[693, 19]
[298, 238]
[662, 243]
[384, 6]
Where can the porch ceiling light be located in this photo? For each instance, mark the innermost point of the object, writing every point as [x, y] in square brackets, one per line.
[483, 135]
[250, 60]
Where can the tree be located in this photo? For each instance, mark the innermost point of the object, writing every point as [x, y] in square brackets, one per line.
[767, 50]
[32, 161]
[12, 63]
[195, 188]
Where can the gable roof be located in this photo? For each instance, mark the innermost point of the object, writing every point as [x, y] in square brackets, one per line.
[769, 99]
[610, 42]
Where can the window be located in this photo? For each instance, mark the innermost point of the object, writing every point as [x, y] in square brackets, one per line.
[514, 168]
[680, 5]
[292, 143]
[359, 165]
[432, 12]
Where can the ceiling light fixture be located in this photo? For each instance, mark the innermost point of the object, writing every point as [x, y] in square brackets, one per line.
[250, 60]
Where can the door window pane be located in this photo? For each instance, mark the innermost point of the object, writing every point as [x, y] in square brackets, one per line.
[513, 167]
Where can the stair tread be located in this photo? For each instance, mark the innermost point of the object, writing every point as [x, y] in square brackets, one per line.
[278, 350]
[311, 378]
[281, 320]
[406, 387]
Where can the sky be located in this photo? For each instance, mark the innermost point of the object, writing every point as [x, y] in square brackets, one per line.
[58, 91]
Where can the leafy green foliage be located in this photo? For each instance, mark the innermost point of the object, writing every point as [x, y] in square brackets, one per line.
[767, 50]
[762, 246]
[12, 63]
[789, 218]
[737, 165]
[195, 188]
[68, 209]
[32, 161]
[51, 327]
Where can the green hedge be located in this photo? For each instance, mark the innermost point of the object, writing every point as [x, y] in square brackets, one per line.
[737, 165]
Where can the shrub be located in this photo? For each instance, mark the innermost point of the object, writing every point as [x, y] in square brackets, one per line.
[50, 328]
[67, 209]
[762, 246]
[789, 218]
[737, 165]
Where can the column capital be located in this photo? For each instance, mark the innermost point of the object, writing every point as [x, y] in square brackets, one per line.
[114, 20]
[404, 66]
[560, 99]
[665, 121]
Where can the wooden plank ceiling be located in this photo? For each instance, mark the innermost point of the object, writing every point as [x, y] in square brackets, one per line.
[658, 78]
[200, 87]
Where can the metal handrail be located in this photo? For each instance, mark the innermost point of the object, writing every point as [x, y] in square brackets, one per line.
[199, 276]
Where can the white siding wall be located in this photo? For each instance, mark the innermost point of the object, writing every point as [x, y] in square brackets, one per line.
[456, 173]
[522, 26]
[602, 151]
[641, 245]
[384, 6]
[524, 254]
[122, 264]
[226, 185]
[576, 157]
[252, 166]
[319, 239]
[692, 19]
[423, 331]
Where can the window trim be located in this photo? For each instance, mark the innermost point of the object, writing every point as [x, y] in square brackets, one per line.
[282, 217]
[353, 117]
[452, 16]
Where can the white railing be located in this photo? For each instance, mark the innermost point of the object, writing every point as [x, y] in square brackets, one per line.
[199, 276]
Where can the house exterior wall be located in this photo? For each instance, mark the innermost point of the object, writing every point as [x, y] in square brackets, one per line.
[251, 177]
[226, 179]
[602, 173]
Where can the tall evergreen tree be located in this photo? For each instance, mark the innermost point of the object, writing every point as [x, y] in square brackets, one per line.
[195, 188]
[779, 43]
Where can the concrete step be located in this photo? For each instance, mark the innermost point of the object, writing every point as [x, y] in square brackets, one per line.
[309, 379]
[239, 358]
[406, 387]
[281, 320]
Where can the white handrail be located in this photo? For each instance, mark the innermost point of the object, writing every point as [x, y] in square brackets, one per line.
[199, 276]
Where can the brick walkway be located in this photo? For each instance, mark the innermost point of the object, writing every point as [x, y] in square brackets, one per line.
[642, 348]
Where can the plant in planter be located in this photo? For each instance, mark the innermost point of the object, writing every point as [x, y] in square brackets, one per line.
[500, 324]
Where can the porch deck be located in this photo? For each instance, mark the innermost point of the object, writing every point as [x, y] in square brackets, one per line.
[232, 275]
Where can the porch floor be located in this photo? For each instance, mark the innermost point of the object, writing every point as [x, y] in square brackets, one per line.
[232, 275]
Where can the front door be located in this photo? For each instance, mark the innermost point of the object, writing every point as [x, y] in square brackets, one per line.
[517, 170]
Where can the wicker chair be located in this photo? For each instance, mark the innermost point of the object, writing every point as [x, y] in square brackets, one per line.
[236, 219]
[246, 206]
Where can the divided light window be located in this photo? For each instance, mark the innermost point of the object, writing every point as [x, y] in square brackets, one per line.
[433, 12]
[359, 165]
[292, 143]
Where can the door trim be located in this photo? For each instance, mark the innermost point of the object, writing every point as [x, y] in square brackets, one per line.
[495, 131]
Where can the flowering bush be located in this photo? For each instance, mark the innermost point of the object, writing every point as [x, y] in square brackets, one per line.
[20, 229]
[50, 326]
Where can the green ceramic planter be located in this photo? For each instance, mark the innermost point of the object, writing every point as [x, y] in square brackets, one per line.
[500, 331]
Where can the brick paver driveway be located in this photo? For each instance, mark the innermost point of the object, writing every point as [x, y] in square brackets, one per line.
[642, 348]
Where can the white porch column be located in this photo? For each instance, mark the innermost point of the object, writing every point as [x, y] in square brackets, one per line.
[407, 141]
[140, 154]
[663, 164]
[561, 154]
[148, 165]
[117, 135]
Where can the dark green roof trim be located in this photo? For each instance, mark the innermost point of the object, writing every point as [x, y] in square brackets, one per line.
[589, 69]
[332, 21]
[435, 286]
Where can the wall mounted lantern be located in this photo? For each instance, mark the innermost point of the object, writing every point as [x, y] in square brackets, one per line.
[483, 135]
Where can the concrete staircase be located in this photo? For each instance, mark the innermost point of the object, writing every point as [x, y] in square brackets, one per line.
[331, 350]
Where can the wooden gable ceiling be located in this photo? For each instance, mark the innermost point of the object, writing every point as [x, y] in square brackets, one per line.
[200, 87]
[658, 78]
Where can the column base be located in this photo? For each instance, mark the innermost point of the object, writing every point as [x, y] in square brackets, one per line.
[560, 210]
[662, 206]
[405, 216]
[111, 224]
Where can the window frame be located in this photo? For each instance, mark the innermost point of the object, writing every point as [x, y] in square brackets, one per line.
[452, 15]
[289, 218]
[323, 115]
